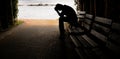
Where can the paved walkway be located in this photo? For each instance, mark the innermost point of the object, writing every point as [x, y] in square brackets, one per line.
[35, 39]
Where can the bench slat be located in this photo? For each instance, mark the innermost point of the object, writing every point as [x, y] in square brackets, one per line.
[103, 20]
[115, 38]
[75, 31]
[116, 27]
[87, 21]
[84, 42]
[89, 16]
[101, 29]
[86, 26]
[103, 24]
[98, 35]
[75, 41]
[90, 41]
[81, 53]
[96, 39]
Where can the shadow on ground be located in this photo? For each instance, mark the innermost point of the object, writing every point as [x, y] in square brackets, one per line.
[35, 39]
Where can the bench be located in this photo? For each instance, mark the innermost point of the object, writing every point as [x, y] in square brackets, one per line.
[92, 43]
[114, 39]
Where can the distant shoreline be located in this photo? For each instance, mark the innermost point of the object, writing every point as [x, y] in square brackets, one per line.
[39, 4]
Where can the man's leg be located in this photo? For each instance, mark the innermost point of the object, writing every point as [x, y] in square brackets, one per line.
[74, 22]
[61, 27]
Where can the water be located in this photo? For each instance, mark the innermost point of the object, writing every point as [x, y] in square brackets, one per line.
[37, 12]
[40, 12]
[68, 2]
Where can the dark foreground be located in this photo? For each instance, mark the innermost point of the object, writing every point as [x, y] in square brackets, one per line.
[35, 40]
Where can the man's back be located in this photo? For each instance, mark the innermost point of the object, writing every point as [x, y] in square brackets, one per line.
[69, 12]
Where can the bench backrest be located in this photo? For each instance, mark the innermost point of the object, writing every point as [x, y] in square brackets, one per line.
[100, 30]
[87, 22]
[100, 33]
[114, 37]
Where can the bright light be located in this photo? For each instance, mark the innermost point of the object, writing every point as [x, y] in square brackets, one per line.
[40, 12]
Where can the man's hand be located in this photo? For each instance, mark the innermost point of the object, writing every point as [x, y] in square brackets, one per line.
[59, 12]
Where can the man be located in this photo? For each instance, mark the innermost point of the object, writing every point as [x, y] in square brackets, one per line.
[67, 14]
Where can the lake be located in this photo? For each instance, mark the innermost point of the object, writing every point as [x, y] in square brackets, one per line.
[37, 12]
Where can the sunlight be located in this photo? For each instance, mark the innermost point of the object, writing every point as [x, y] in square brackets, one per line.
[41, 22]
[26, 11]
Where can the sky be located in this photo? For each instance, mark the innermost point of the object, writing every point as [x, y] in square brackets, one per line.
[67, 2]
[42, 12]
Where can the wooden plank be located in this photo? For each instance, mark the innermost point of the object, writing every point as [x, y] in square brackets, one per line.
[115, 33]
[75, 41]
[103, 20]
[81, 16]
[87, 21]
[99, 36]
[101, 29]
[113, 47]
[90, 41]
[81, 53]
[86, 26]
[115, 37]
[96, 39]
[81, 13]
[116, 27]
[83, 42]
[75, 31]
[89, 16]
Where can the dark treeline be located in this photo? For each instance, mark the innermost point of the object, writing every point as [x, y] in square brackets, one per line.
[8, 13]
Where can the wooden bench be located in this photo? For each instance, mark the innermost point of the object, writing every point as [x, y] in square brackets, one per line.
[81, 16]
[84, 24]
[114, 39]
[92, 43]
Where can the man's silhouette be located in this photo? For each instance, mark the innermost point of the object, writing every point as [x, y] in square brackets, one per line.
[67, 14]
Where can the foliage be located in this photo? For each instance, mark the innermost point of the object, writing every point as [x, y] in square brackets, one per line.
[15, 8]
[19, 22]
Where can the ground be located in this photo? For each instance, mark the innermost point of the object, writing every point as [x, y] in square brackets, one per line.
[35, 39]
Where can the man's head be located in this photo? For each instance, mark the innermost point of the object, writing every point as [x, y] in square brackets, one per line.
[59, 6]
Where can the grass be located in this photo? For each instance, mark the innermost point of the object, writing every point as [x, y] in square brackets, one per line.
[17, 22]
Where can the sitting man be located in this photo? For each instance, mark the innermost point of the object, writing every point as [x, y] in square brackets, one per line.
[67, 14]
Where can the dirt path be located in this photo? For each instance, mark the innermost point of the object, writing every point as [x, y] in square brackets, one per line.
[34, 39]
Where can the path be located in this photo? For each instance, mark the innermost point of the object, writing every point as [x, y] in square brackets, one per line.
[35, 39]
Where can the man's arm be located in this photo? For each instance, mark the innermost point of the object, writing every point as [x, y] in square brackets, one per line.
[57, 11]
